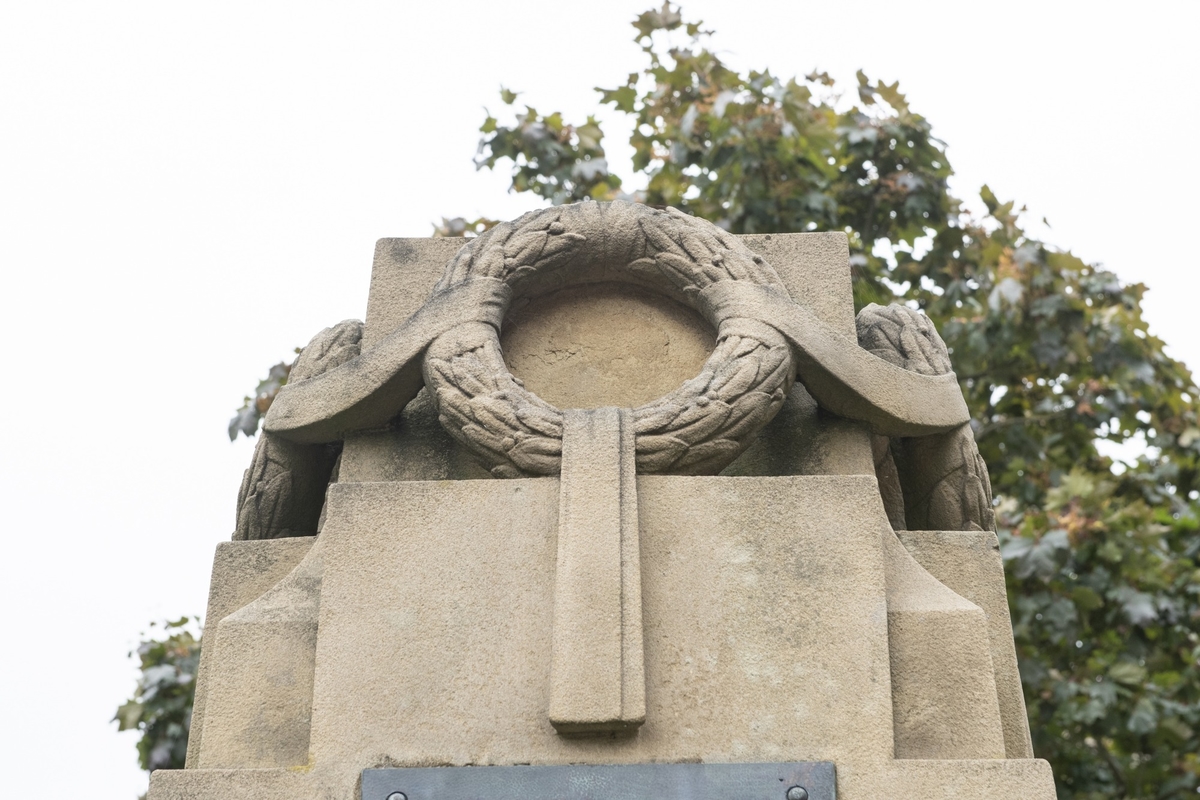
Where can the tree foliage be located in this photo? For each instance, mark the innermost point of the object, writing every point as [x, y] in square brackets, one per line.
[161, 706]
[1052, 353]
[247, 418]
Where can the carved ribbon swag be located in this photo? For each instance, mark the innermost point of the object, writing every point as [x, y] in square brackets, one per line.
[765, 341]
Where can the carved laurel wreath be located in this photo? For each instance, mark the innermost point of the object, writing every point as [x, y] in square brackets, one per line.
[698, 428]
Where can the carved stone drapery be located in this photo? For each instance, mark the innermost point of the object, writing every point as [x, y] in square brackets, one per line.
[283, 490]
[934, 482]
[896, 377]
[479, 283]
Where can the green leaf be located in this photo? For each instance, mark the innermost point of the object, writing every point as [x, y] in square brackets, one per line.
[1086, 599]
[1144, 718]
[665, 19]
[623, 98]
[989, 199]
[1138, 606]
[892, 95]
[161, 708]
[1127, 672]
[128, 715]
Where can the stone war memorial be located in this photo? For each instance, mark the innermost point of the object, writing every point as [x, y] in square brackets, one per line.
[609, 504]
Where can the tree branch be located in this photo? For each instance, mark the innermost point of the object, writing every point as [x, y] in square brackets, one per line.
[1006, 423]
[1117, 773]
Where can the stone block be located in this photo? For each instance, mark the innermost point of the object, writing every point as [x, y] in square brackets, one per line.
[969, 563]
[599, 616]
[241, 573]
[766, 638]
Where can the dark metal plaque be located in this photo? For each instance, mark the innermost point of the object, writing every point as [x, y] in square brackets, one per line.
[797, 780]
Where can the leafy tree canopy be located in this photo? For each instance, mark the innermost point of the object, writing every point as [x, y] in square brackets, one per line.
[161, 706]
[1052, 354]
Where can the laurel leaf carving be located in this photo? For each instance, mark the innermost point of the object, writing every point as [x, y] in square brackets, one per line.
[540, 421]
[940, 481]
[707, 451]
[698, 427]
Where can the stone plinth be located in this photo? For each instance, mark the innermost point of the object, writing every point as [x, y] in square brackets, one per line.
[766, 639]
[768, 613]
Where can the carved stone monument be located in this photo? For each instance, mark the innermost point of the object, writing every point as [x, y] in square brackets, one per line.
[609, 503]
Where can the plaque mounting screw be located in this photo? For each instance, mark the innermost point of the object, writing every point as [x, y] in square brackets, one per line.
[403, 796]
[794, 793]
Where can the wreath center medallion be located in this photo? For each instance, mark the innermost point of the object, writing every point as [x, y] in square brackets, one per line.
[698, 428]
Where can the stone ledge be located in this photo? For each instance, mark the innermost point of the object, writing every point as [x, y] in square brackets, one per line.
[1027, 779]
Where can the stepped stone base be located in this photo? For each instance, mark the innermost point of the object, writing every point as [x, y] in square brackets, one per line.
[766, 630]
[782, 618]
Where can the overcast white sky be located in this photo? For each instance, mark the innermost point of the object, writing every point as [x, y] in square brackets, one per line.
[188, 191]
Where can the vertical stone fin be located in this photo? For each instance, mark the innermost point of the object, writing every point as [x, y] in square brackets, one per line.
[944, 700]
[597, 675]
